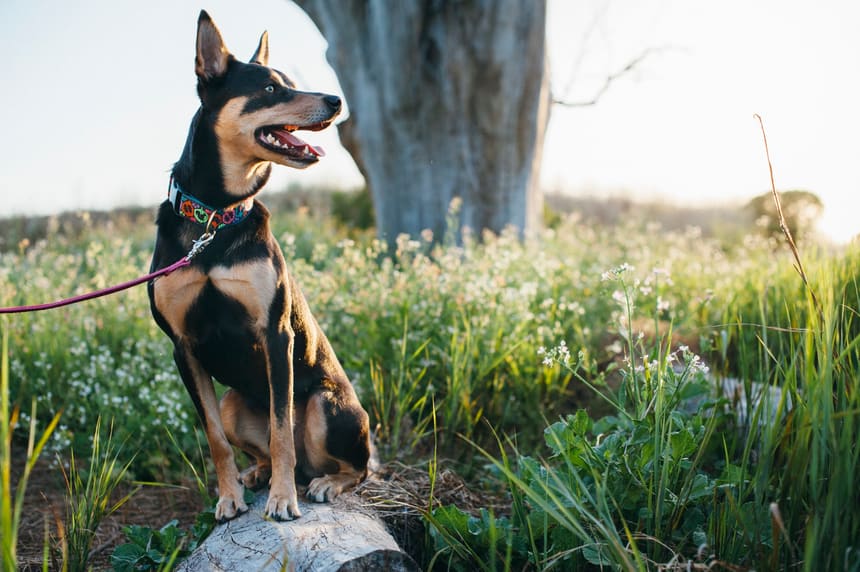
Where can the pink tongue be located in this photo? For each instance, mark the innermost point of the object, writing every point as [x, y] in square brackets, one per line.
[293, 141]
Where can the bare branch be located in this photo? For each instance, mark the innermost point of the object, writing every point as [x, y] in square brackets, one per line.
[609, 79]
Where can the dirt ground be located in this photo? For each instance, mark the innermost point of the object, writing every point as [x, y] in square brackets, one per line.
[44, 506]
[396, 492]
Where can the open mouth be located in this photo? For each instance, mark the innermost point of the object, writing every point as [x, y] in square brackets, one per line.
[280, 139]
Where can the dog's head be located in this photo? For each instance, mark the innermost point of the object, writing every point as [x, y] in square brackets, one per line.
[256, 108]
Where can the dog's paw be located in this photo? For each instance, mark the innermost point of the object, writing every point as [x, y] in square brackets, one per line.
[255, 477]
[328, 487]
[229, 507]
[282, 507]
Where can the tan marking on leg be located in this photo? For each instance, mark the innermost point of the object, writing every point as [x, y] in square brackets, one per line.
[248, 430]
[283, 497]
[336, 476]
[283, 503]
[315, 432]
[328, 487]
[253, 284]
[230, 494]
[174, 294]
[258, 475]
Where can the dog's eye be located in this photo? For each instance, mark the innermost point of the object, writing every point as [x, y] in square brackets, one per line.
[270, 88]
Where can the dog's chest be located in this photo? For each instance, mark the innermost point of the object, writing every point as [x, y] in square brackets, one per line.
[250, 285]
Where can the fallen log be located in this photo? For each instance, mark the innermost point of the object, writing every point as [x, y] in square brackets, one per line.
[339, 536]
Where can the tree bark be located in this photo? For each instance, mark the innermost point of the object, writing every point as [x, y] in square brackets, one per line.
[448, 98]
[337, 536]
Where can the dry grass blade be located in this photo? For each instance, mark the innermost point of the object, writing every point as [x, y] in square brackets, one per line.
[784, 227]
[401, 495]
[397, 489]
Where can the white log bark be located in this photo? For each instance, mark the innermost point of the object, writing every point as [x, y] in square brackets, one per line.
[447, 99]
[338, 536]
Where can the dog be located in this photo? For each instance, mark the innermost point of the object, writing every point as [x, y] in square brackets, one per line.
[234, 313]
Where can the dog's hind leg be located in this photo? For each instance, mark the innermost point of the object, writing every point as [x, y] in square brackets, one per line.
[336, 443]
[230, 493]
[247, 427]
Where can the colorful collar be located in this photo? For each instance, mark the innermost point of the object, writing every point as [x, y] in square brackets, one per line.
[192, 209]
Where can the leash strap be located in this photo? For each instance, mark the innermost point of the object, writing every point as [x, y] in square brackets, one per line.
[196, 248]
[184, 261]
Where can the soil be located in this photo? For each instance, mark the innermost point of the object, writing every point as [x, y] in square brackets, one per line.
[44, 508]
[398, 493]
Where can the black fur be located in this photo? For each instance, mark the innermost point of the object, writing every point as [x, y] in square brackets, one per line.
[290, 359]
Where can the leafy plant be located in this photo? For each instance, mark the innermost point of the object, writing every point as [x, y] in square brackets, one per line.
[603, 484]
[150, 549]
[441, 338]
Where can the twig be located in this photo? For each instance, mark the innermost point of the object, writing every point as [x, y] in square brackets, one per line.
[598, 17]
[609, 79]
[104, 545]
[798, 266]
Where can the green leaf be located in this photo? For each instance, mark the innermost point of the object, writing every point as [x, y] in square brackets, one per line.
[596, 554]
[563, 539]
[169, 536]
[694, 519]
[452, 519]
[125, 557]
[682, 443]
[567, 435]
[156, 556]
[139, 535]
[701, 487]
[203, 526]
[579, 423]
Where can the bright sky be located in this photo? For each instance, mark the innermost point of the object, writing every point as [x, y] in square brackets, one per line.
[97, 95]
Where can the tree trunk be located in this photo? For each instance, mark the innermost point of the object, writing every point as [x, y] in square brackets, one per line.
[448, 98]
[339, 536]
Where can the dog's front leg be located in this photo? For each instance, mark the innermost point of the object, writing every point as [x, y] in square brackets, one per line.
[283, 500]
[231, 501]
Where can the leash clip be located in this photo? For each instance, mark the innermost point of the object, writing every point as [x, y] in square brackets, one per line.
[198, 245]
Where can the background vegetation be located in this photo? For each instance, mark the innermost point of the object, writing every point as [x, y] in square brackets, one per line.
[638, 395]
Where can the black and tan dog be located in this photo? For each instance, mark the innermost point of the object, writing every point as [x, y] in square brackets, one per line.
[235, 314]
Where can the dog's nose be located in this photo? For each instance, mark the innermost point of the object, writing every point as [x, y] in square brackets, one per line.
[332, 101]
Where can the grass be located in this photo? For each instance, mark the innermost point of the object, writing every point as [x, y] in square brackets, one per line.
[444, 342]
[89, 497]
[12, 505]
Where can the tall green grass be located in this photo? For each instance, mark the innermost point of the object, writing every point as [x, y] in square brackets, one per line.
[90, 496]
[679, 476]
[442, 342]
[11, 505]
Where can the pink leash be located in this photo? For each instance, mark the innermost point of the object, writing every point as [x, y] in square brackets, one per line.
[184, 261]
[196, 247]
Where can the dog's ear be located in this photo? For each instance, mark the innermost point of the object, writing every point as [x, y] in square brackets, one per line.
[261, 56]
[212, 55]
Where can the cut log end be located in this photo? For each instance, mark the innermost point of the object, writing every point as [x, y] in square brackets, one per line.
[339, 536]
